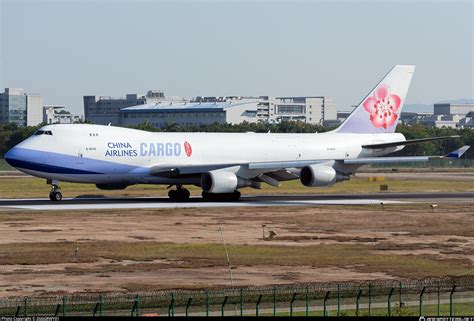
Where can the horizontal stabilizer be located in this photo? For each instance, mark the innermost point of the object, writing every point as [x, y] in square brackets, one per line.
[458, 152]
[407, 142]
[384, 160]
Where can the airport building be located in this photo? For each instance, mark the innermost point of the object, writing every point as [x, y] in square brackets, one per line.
[160, 110]
[55, 114]
[20, 108]
[453, 109]
[232, 110]
[451, 115]
[312, 110]
[105, 110]
[191, 113]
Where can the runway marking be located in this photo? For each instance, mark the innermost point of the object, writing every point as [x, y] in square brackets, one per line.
[168, 205]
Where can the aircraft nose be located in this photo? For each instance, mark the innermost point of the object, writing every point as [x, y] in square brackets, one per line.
[13, 157]
[9, 156]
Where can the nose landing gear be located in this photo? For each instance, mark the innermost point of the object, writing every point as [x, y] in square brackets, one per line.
[180, 194]
[55, 195]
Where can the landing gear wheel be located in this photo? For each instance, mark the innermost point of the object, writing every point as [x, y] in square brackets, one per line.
[55, 196]
[179, 195]
[221, 197]
[235, 196]
[184, 194]
[208, 197]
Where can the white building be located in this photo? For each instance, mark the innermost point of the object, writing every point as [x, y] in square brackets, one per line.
[451, 115]
[232, 110]
[450, 121]
[467, 121]
[191, 113]
[34, 109]
[54, 114]
[311, 110]
[452, 109]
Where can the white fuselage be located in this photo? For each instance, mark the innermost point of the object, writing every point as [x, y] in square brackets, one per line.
[105, 154]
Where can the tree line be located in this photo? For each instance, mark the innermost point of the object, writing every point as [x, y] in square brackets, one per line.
[11, 134]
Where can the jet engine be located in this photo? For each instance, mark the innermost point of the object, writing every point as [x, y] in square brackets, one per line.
[111, 186]
[224, 182]
[320, 175]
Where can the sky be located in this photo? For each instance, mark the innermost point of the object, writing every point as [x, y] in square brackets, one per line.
[67, 49]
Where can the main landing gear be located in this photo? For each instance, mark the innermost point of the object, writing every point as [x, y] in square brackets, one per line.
[55, 195]
[221, 197]
[180, 194]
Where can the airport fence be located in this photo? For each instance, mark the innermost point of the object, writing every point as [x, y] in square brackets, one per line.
[434, 297]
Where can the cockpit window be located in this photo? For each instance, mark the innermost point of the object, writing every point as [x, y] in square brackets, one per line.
[43, 132]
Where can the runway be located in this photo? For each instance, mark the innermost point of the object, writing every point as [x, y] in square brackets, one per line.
[89, 203]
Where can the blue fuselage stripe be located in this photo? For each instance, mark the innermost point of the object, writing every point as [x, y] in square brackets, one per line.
[48, 162]
[45, 168]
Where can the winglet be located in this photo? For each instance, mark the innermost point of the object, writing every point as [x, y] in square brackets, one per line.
[458, 152]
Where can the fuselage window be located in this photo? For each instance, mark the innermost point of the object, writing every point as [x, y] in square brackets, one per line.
[43, 132]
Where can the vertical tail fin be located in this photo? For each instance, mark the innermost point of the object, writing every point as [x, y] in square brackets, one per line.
[380, 110]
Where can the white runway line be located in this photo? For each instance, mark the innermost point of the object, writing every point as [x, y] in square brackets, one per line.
[168, 205]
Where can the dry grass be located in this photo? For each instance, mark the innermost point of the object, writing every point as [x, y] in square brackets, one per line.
[411, 219]
[360, 257]
[29, 187]
[181, 247]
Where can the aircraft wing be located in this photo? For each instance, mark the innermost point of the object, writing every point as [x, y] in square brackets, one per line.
[180, 170]
[368, 160]
[385, 160]
[405, 159]
[279, 168]
[407, 142]
[285, 164]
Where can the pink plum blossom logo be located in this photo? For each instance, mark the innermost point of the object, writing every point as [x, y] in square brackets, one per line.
[188, 149]
[382, 107]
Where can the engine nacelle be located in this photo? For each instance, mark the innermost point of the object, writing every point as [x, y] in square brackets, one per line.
[111, 186]
[320, 175]
[224, 182]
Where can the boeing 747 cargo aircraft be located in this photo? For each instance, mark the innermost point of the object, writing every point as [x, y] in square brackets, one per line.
[222, 163]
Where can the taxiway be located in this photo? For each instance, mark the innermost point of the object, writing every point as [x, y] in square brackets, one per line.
[88, 203]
